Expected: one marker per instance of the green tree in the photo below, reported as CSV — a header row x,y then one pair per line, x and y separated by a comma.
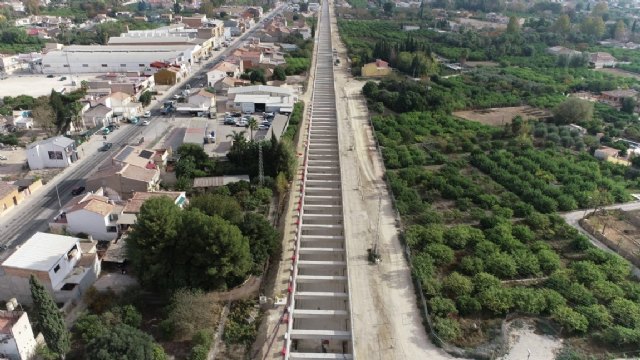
x,y
124,342
628,105
170,248
227,207
456,285
597,315
279,74
441,254
498,300
573,110
145,98
562,24
190,312
570,319
388,8
253,126
593,26
49,319
447,329
264,240
442,307
238,140
513,27
177,8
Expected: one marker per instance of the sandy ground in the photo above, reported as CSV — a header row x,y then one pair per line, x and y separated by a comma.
x,y
501,116
525,343
38,84
386,321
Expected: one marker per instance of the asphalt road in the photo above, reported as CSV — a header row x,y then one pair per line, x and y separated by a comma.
x,y
36,211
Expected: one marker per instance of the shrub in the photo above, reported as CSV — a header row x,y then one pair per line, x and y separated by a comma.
x,y
447,329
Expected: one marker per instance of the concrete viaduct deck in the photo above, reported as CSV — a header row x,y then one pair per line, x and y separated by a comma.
x,y
319,314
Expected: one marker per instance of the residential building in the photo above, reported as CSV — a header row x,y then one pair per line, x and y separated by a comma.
x,y
90,214
226,83
167,76
224,69
195,21
114,58
125,180
18,342
615,97
606,153
123,104
249,58
9,196
378,68
600,60
54,152
97,116
65,265
141,157
11,63
132,208
202,99
410,27
22,119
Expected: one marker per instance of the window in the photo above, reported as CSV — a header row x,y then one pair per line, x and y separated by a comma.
x,y
113,217
112,229
123,65
141,65
47,65
68,286
55,155
85,65
66,65
104,65
56,269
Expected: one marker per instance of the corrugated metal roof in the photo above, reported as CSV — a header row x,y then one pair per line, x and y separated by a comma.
x,y
41,252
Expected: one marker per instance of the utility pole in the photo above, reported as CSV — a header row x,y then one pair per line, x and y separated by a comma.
x,y
260,164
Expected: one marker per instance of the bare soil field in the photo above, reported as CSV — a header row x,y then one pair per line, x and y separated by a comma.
x,y
501,116
621,228
619,72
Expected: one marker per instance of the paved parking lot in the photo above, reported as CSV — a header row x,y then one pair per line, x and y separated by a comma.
x,y
38,84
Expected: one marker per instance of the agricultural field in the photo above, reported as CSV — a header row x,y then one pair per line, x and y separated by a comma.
x,y
502,116
479,215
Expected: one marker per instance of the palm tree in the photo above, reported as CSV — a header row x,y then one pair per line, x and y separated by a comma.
x,y
253,125
237,138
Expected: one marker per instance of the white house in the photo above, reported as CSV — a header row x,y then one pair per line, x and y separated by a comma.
x,y
222,70
18,342
91,214
55,152
99,115
65,265
122,104
203,99
22,119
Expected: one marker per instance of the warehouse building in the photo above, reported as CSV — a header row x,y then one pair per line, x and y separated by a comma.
x,y
261,98
114,58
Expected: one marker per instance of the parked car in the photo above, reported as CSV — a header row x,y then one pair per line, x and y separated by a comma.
x,y
268,114
147,114
247,112
212,136
77,191
63,78
134,120
50,76
106,131
2,157
106,146
229,121
242,123
263,127
145,123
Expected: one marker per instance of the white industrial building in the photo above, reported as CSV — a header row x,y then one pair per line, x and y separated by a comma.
x,y
114,58
260,98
